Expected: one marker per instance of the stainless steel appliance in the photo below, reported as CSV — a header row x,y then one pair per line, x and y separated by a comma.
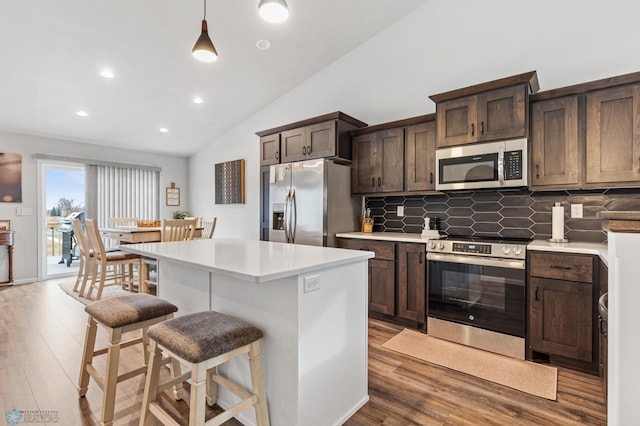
x,y
487,165
477,293
310,202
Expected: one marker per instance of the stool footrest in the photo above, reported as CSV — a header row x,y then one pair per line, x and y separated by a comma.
x,y
232,386
162,415
231,412
180,379
123,345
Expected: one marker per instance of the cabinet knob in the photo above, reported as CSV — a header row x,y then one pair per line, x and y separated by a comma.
x,y
482,127
304,150
277,155
537,171
309,149
431,177
473,129
379,181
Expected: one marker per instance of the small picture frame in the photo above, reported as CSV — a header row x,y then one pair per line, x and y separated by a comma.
x,y
5,225
173,195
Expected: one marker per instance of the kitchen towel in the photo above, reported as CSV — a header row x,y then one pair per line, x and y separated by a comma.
x,y
557,222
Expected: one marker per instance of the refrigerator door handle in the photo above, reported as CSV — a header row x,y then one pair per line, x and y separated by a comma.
x,y
294,220
286,216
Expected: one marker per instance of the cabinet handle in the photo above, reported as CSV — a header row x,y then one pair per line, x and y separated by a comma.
x,y
373,182
304,150
535,293
420,256
537,171
600,330
564,268
482,127
431,177
379,181
638,164
473,129
309,149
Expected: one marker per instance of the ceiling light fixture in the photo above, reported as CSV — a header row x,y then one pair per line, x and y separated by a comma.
x,y
273,10
107,74
163,130
263,44
82,113
204,50
197,100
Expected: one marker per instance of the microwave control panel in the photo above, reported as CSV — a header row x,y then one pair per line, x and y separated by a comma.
x,y
513,165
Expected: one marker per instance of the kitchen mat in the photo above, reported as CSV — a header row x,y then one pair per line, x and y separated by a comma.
x,y
535,379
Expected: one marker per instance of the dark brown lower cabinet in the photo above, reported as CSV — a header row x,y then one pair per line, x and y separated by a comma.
x,y
381,286
561,318
411,281
602,329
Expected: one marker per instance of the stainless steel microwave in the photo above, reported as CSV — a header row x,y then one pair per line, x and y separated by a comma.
x,y
498,165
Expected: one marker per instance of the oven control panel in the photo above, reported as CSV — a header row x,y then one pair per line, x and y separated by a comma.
x,y
472,248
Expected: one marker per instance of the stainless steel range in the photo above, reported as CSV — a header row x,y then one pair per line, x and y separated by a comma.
x,y
477,293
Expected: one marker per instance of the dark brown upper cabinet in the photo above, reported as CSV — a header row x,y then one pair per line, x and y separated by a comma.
x,y
419,157
325,136
485,112
555,150
396,157
613,135
378,161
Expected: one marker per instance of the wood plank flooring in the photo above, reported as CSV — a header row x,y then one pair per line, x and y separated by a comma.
x,y
42,331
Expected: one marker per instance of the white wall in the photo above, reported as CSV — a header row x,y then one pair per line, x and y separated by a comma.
x,y
174,169
443,45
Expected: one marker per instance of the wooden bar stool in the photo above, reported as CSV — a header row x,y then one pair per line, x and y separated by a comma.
x,y
202,342
119,315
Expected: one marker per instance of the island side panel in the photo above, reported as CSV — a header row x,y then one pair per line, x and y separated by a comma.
x,y
273,307
333,344
185,286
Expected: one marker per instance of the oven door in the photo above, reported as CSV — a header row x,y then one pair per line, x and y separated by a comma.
x,y
481,292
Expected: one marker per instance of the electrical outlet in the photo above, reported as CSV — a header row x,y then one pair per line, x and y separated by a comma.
x,y
576,210
311,283
400,211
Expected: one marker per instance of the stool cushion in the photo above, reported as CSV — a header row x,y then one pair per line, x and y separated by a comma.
x,y
119,311
202,336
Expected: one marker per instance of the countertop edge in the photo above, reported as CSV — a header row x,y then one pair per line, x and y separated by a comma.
x,y
385,236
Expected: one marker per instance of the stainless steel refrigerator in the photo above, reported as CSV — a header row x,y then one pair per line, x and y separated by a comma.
x,y
310,201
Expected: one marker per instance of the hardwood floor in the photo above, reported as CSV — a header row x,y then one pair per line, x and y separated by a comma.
x,y
42,331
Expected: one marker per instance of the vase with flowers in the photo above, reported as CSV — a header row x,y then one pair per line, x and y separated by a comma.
x,y
180,214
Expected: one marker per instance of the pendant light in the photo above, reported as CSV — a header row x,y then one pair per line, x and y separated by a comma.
x,y
204,50
273,10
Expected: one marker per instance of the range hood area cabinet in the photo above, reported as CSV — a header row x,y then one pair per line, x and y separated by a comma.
x,y
324,136
495,110
586,136
395,157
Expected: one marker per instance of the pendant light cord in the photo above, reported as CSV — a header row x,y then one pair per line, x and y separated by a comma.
x,y
205,10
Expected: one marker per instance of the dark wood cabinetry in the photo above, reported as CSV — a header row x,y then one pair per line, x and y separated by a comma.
x,y
556,154
325,136
561,305
411,281
397,280
613,135
378,162
485,112
419,157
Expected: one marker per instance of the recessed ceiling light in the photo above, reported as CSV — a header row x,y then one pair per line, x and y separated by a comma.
x,y
107,73
163,130
263,44
197,100
82,113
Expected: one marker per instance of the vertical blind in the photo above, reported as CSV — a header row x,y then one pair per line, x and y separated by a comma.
x,y
121,192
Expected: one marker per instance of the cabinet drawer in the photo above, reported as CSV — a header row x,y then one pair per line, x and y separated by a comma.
x,y
569,267
383,250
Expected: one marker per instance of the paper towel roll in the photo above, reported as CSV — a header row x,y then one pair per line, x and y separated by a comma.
x,y
557,222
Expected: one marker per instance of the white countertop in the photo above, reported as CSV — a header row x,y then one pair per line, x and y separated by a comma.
x,y
249,260
598,249
385,236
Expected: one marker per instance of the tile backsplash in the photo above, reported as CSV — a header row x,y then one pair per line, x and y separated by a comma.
x,y
509,214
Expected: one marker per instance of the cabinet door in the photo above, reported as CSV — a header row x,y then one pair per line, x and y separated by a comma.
x,y
366,164
270,149
613,135
554,142
456,121
390,150
419,157
292,142
502,113
411,282
560,316
382,286
321,140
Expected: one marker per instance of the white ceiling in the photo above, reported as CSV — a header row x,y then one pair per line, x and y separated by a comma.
x,y
53,52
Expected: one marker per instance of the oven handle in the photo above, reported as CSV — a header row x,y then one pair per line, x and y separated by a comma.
x,y
473,260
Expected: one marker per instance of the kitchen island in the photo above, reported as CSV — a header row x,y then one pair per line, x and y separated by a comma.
x,y
310,302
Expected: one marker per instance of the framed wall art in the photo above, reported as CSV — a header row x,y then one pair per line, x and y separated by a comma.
x,y
229,182
10,178
173,195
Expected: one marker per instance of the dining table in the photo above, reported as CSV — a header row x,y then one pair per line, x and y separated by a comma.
x,y
138,234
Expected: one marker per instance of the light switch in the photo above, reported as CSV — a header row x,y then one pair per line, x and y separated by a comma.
x,y
27,211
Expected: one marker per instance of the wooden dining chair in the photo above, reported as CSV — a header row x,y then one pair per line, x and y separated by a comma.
x,y
84,268
208,225
109,266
